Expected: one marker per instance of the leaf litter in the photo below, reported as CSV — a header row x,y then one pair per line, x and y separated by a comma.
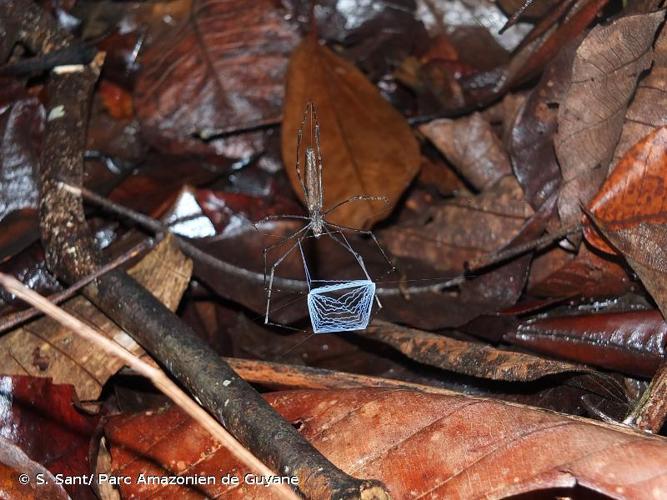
x,y
200,103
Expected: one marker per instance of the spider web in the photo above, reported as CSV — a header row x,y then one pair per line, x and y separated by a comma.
x,y
341,307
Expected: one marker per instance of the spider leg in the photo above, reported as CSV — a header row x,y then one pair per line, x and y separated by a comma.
x,y
369,233
361,197
282,242
273,271
348,247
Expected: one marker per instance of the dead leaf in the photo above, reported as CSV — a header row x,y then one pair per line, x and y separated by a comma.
x,y
221,70
472,147
34,408
630,342
21,125
13,463
419,445
646,111
469,358
604,76
367,146
531,137
631,211
587,273
43,348
464,229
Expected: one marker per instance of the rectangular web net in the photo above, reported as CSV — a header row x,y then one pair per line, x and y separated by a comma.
x,y
341,306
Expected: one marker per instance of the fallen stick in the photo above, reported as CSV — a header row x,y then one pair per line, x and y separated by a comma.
x,y
12,320
154,374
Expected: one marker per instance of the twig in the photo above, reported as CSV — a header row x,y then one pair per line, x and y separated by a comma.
x,y
12,320
515,251
75,54
155,375
193,252
516,15
650,412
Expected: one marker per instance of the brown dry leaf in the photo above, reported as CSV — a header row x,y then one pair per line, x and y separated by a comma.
x,y
631,212
558,273
647,110
604,75
367,146
469,358
531,136
464,229
221,70
43,348
13,463
420,445
472,147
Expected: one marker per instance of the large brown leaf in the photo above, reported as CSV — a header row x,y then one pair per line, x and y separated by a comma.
x,y
604,75
33,408
421,446
531,137
43,348
631,212
367,146
221,70
588,273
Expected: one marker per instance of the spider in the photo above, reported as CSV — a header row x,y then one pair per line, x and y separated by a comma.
x,y
317,224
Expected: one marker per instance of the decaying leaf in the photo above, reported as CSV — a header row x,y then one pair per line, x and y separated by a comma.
x,y
531,137
33,408
630,210
420,445
43,348
464,229
13,463
367,146
219,71
604,75
21,126
629,342
472,147
469,358
646,112
587,273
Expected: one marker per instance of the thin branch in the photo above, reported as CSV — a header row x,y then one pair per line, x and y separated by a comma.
x,y
154,374
12,320
650,412
293,285
516,251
